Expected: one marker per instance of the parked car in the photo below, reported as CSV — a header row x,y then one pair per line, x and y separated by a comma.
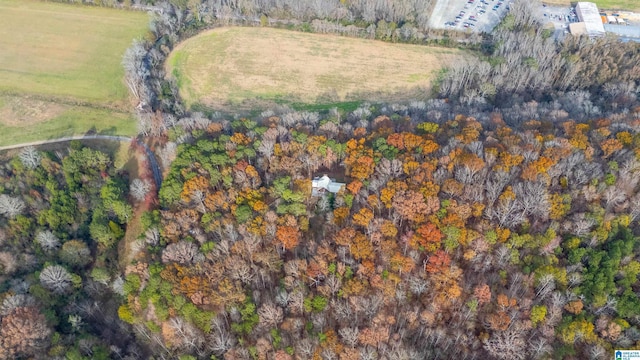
x,y
495,8
481,12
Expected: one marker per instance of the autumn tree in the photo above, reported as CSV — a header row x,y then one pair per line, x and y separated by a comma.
x,y
482,293
438,262
24,332
288,237
413,206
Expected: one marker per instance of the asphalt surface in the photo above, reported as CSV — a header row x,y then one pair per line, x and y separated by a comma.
x,y
477,16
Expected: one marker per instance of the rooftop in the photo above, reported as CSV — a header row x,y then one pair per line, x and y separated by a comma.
x,y
322,184
588,14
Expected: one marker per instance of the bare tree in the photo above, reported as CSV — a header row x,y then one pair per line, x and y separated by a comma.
x,y
546,285
349,335
182,252
30,157
507,344
11,206
270,315
220,340
139,189
539,348
8,263
47,240
136,71
305,348
12,302
56,279
183,335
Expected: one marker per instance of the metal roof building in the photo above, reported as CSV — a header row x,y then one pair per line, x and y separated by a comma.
x,y
588,13
321,184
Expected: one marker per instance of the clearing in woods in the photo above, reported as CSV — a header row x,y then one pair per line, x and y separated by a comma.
x,y
254,67
60,69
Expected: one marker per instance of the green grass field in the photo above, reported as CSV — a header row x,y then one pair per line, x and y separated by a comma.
x,y
58,121
69,59
629,5
255,67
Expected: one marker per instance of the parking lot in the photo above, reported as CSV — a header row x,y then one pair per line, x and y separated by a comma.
x,y
469,15
560,17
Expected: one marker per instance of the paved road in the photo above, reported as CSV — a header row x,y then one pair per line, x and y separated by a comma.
x,y
157,175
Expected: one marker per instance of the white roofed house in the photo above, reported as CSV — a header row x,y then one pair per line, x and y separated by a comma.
x,y
321,185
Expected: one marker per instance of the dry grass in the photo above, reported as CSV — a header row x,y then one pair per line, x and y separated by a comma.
x,y
239,66
566,3
16,111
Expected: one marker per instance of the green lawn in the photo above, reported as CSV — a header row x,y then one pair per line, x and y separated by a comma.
x,y
630,5
74,121
69,55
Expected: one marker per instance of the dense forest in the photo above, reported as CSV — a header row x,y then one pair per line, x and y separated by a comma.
x,y
451,239
62,214
497,219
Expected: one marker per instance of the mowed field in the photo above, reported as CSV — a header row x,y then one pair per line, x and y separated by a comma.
x,y
249,67
629,5
60,69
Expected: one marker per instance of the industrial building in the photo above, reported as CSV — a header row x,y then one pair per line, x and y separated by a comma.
x,y
588,14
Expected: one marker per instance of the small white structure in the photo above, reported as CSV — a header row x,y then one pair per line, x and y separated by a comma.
x,y
588,14
320,185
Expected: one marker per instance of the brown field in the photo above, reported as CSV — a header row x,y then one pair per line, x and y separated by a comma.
x,y
245,66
